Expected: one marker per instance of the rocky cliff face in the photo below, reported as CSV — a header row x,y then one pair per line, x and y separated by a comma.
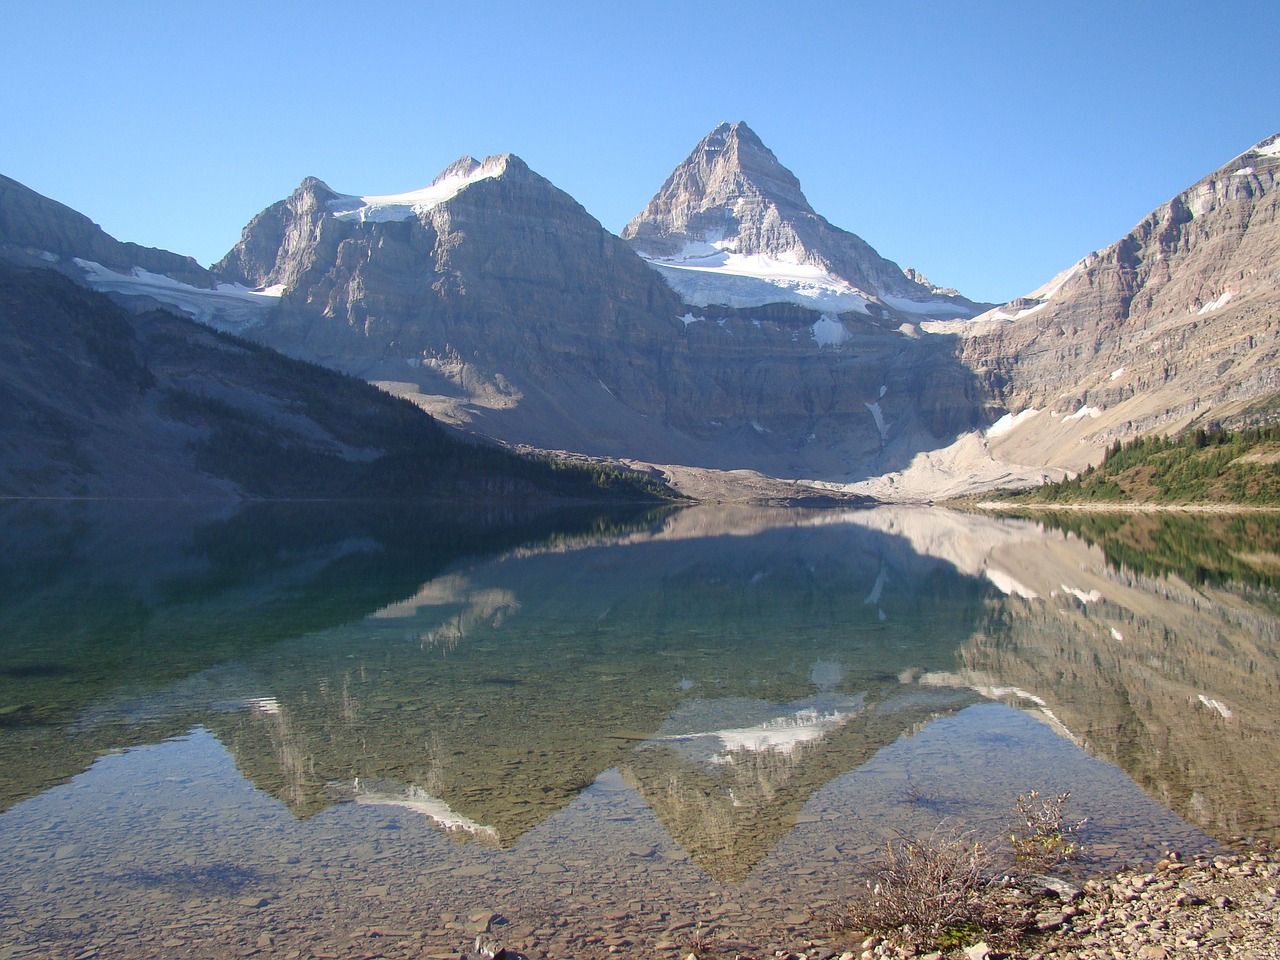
x,y
754,336
731,210
1175,323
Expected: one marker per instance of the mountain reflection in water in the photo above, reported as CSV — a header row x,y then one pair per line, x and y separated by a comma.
x,y
728,663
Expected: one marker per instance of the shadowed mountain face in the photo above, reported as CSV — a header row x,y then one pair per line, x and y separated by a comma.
x,y
98,401
32,225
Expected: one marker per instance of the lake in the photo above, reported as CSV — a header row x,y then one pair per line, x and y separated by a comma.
x,y
310,730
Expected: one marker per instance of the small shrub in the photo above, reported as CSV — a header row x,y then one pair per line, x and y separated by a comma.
x,y
1042,836
928,893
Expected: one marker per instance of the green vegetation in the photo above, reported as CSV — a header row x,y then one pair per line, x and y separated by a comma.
x,y
1220,549
1212,465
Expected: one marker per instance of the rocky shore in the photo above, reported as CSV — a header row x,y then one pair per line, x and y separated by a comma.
x,y
1206,906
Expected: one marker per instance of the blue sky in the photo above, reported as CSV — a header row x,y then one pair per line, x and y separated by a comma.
x,y
989,145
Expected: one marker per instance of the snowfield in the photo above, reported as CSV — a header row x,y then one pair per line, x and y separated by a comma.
x,y
229,306
401,206
705,275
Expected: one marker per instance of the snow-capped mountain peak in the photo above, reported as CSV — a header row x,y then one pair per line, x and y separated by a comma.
x,y
731,226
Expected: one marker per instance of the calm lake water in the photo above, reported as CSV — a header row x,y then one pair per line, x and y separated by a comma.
x,y
310,731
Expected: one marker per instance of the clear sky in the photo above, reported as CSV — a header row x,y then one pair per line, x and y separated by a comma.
x,y
989,145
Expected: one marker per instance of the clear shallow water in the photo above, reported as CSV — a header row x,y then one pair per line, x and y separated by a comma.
x,y
345,732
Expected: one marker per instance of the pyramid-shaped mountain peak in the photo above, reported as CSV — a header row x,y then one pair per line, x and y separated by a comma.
x,y
732,210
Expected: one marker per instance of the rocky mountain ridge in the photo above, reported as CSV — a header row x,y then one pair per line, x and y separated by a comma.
x,y
496,302
37,229
752,335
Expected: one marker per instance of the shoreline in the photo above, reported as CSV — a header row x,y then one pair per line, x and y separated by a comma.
x,y
1006,506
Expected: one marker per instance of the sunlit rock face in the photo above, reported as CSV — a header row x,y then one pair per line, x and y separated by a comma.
x,y
1172,323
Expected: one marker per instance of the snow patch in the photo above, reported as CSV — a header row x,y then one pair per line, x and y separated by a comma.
x,y
1216,304
1117,635
710,272
999,692
1269,147
1091,412
434,809
878,415
1218,705
402,206
877,590
1243,171
1093,596
1009,422
829,332
781,735
938,309
1009,586
689,318
1041,296
1115,374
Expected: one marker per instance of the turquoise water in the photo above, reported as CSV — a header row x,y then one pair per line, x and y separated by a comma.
x,y
362,731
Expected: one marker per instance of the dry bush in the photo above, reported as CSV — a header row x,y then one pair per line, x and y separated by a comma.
x,y
924,892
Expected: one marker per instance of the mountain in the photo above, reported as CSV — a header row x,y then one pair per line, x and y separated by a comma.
x,y
1172,325
38,231
751,337
731,226
99,401
495,301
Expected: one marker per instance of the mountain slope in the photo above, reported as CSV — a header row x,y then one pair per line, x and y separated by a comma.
x,y
1174,324
97,401
49,231
732,226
